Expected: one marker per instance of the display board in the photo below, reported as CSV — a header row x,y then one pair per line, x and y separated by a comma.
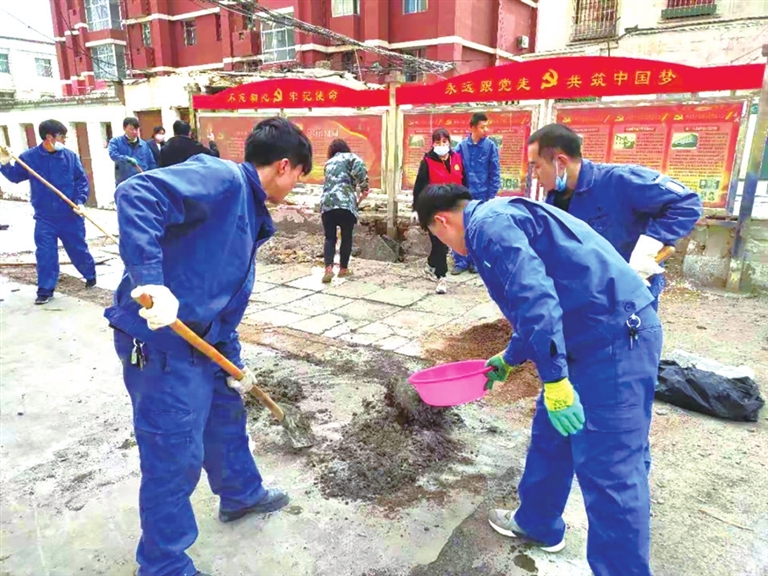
x,y
362,133
694,144
510,131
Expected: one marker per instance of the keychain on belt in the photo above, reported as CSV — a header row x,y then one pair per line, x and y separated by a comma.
x,y
138,357
633,323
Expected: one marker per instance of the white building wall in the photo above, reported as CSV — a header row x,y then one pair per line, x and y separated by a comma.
x,y
164,93
733,35
23,78
94,115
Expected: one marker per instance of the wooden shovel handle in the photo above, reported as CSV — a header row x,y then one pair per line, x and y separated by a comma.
x,y
664,253
204,348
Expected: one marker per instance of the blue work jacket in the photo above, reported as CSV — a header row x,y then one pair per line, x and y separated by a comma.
x,y
120,150
481,164
560,284
623,201
195,228
63,169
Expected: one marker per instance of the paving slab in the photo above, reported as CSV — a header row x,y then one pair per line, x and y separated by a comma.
x,y
345,328
482,313
274,317
259,287
397,296
318,324
353,289
369,334
413,348
314,281
317,303
256,308
280,295
364,310
412,322
392,342
448,304
285,274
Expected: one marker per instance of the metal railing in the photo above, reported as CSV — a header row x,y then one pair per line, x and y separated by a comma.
x,y
689,8
594,19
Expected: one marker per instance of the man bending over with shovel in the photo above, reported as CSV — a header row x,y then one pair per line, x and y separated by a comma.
x,y
188,237
586,319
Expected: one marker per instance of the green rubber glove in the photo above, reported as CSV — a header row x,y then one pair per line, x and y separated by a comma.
x,y
132,161
563,407
500,371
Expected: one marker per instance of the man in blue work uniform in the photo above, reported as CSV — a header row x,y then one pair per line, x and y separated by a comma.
x,y
638,210
481,164
188,236
585,319
54,219
131,154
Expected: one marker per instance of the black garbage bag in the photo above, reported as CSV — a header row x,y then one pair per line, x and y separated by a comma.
x,y
709,393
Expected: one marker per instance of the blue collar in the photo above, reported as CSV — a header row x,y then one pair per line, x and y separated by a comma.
x,y
586,176
253,181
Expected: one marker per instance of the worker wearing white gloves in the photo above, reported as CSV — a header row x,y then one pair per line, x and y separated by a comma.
x,y
638,210
192,249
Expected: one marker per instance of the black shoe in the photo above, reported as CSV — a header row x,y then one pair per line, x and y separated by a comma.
x,y
272,501
456,271
472,270
202,574
40,300
90,283
4,226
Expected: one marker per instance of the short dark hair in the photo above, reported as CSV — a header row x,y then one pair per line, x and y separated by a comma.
x,y
439,134
52,127
439,198
276,138
336,147
157,129
131,121
478,117
181,128
553,137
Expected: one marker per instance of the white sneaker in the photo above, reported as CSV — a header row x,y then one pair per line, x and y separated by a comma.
x,y
442,286
503,521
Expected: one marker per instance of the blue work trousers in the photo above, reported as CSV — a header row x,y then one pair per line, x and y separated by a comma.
x,y
616,384
185,418
462,262
71,230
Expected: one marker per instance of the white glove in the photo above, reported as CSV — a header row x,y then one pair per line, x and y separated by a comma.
x,y
5,155
79,210
242,386
164,309
643,258
414,217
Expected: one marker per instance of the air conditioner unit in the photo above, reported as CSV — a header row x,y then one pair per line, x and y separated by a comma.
x,y
523,42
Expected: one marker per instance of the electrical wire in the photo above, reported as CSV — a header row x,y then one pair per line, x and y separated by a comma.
x,y
404,61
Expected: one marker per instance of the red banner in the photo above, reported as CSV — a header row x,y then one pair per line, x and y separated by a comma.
x,y
290,93
362,133
694,144
581,77
510,131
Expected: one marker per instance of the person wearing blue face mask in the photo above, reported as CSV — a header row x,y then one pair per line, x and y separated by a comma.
x,y
638,210
54,219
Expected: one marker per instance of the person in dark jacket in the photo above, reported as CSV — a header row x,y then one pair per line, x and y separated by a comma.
x,y
157,142
440,165
181,147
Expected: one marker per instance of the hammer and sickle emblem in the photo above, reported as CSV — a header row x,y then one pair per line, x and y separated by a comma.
x,y
549,79
679,117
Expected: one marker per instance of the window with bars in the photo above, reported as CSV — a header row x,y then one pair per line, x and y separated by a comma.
x,y
689,8
146,35
414,6
278,43
103,14
43,67
594,19
190,32
5,64
108,62
345,7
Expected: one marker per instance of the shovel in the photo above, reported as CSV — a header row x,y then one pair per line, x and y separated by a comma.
x,y
294,422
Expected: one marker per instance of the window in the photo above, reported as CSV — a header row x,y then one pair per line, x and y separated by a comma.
x,y
413,6
190,32
108,61
103,14
218,27
345,7
106,133
5,65
5,140
411,71
688,8
146,35
43,67
277,42
594,19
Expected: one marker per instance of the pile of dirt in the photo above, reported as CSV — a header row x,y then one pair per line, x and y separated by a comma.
x,y
384,449
485,341
292,248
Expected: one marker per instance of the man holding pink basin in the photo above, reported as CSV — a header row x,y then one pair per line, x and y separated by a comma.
x,y
586,319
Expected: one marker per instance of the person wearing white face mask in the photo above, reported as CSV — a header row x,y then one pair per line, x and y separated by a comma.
x,y
157,142
54,219
440,165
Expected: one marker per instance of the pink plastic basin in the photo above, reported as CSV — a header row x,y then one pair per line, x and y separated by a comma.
x,y
451,384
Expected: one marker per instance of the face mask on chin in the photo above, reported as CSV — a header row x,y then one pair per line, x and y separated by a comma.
x,y
560,181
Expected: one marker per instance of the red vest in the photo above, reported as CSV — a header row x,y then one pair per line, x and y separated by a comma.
x,y
439,175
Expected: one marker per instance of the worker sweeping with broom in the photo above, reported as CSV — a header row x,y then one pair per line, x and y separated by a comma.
x,y
587,321
54,219
188,237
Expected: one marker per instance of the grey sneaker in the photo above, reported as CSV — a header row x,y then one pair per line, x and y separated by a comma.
x,y
456,270
272,501
503,521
